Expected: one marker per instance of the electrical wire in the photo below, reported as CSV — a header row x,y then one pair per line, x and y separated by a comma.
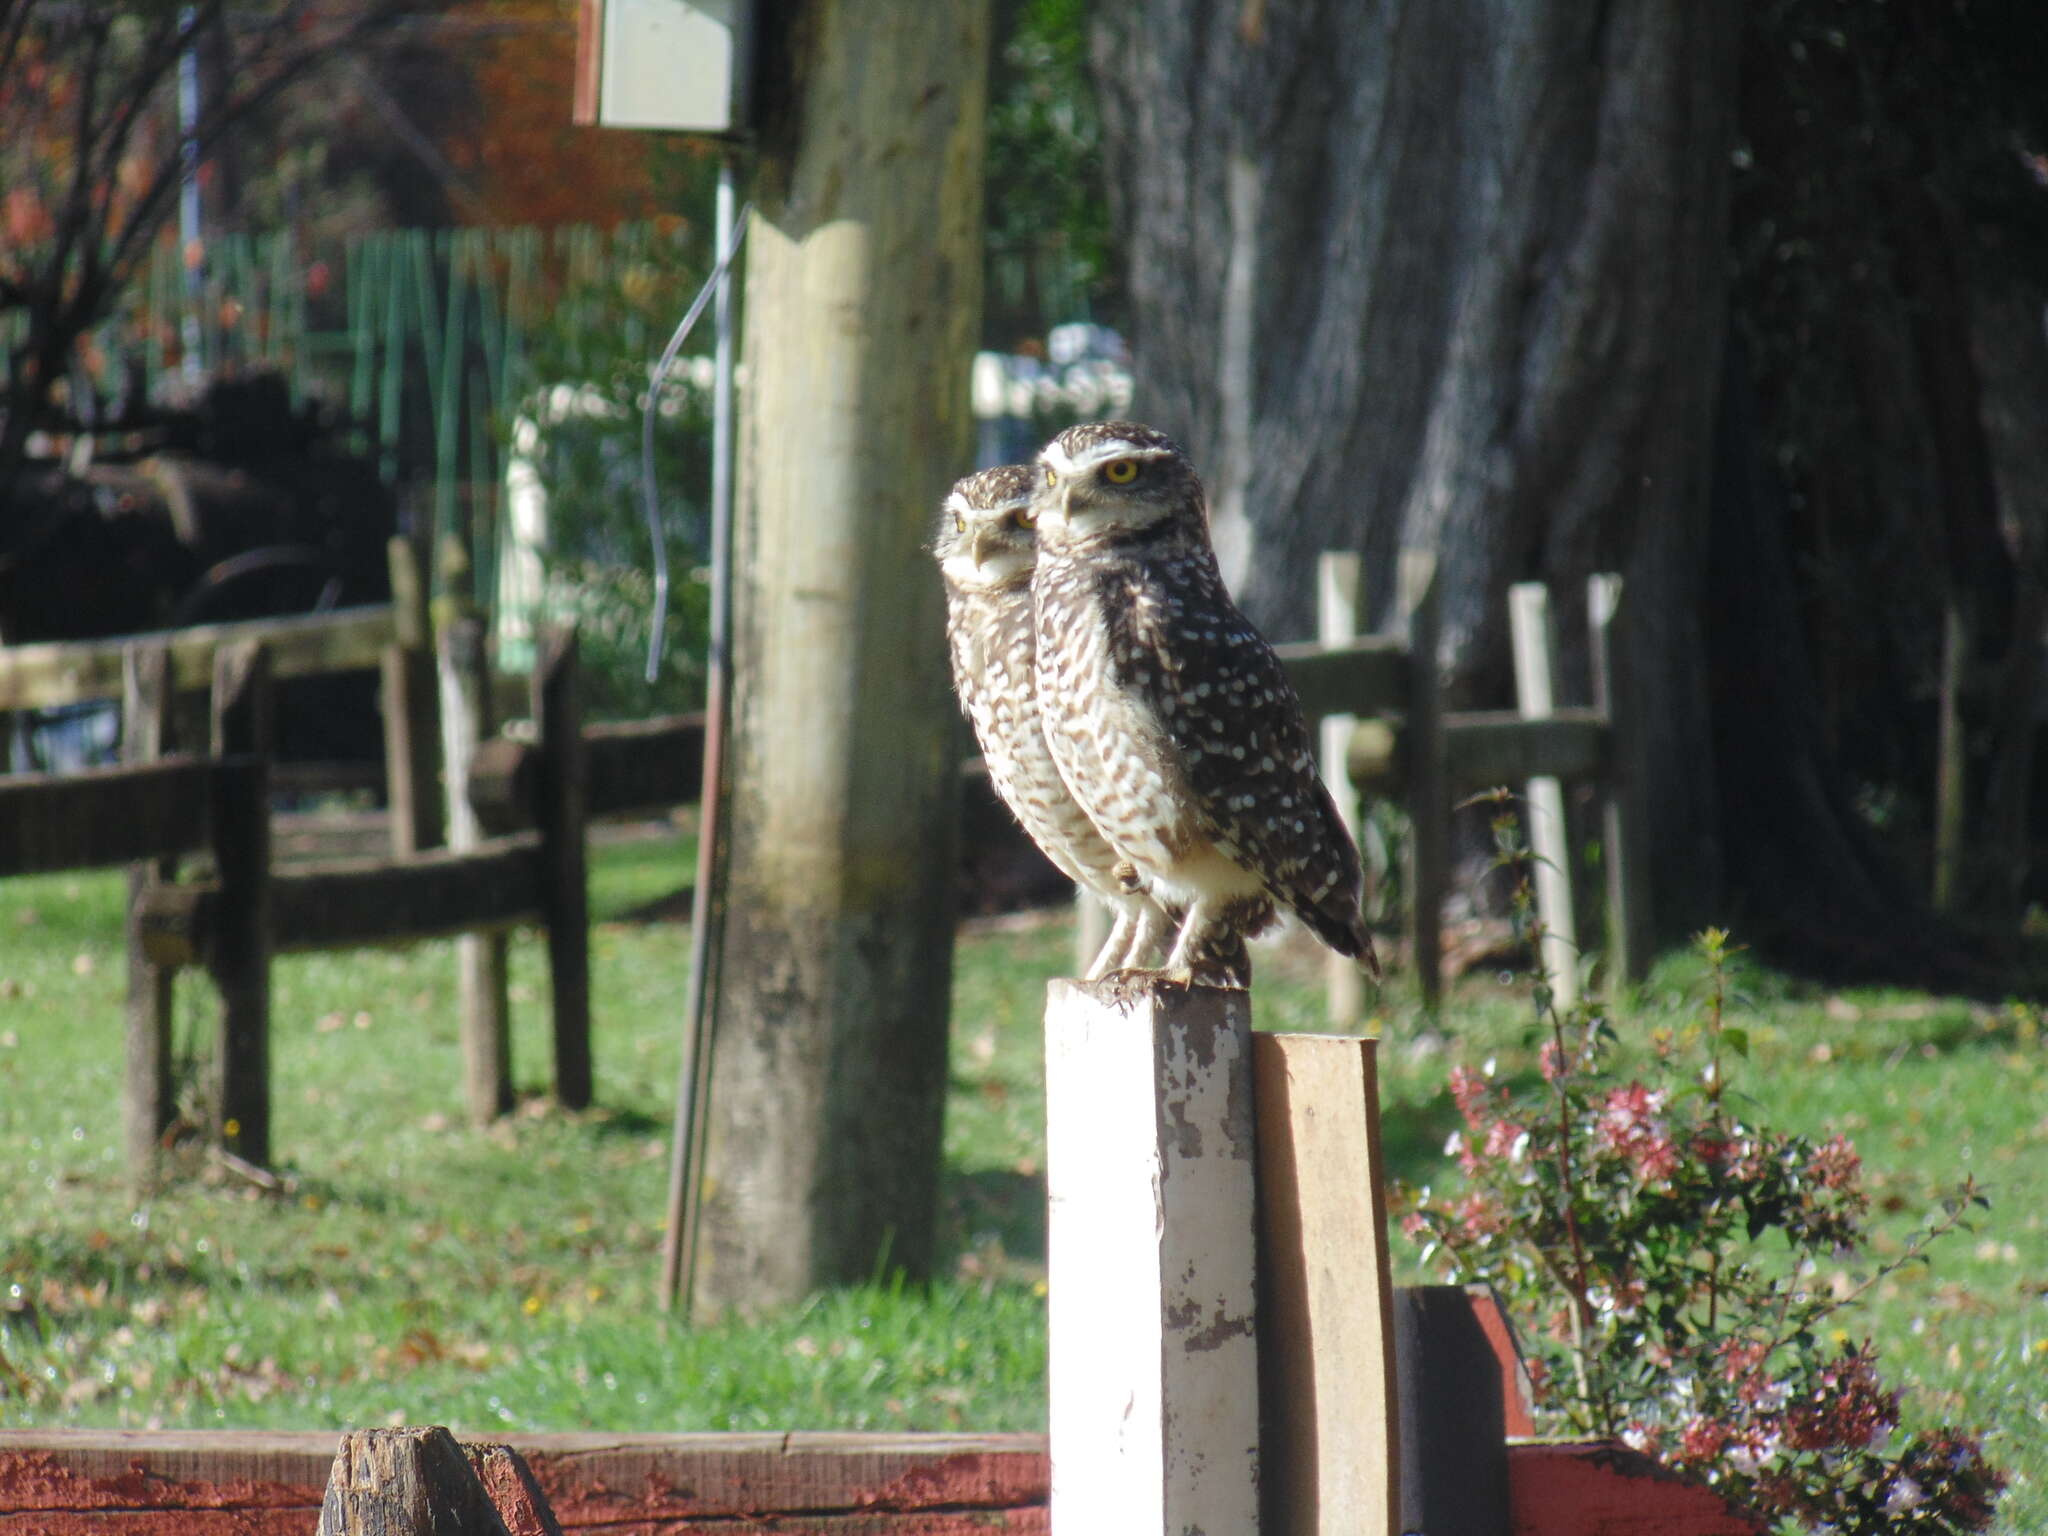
x,y
649,498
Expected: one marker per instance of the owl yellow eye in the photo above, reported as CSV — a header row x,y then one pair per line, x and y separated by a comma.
x,y
959,523
1023,517
1120,471
1051,478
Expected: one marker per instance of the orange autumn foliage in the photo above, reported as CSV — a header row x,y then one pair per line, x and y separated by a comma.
x,y
530,164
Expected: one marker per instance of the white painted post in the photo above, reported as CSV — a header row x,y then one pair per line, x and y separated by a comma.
x,y
1337,578
1535,647
1149,1165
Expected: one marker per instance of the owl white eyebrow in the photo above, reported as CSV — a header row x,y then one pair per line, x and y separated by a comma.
x,y
960,506
1061,462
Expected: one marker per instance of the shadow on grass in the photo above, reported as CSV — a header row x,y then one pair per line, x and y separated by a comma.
x,y
997,1203
1412,1138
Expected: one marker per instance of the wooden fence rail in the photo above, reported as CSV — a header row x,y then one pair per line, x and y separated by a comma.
x,y
149,814
43,676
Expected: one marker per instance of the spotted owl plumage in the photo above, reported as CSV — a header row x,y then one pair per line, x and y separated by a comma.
x,y
986,552
1169,717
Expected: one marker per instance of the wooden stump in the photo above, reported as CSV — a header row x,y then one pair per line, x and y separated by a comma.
x,y
1149,1161
419,1482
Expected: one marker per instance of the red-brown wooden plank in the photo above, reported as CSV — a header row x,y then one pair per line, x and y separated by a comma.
x,y
1592,1488
177,1483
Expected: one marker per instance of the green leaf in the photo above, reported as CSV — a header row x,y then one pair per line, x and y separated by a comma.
x,y
1737,1040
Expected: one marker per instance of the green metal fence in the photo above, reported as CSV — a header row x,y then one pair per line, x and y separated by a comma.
x,y
427,342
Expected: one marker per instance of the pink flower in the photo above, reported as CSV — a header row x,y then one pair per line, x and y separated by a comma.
x,y
1550,1061
1477,1219
1505,1139
1656,1159
1836,1164
1469,1093
1703,1439
1848,1409
1742,1357
1629,1124
1628,1113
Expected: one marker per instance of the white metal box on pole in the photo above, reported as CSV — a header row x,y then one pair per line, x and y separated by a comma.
x,y
683,65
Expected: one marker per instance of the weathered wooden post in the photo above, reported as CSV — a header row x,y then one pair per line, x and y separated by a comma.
x,y
146,1099
562,810
1535,648
1624,829
1429,793
479,957
1337,581
833,966
1150,1259
408,708
239,955
420,1482
1331,1458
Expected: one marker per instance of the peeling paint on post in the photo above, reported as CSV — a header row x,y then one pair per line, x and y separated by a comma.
x,y
1149,1167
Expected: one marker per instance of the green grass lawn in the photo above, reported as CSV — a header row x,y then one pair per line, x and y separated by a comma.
x,y
416,1270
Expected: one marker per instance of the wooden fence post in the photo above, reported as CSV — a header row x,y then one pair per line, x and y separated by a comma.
x,y
1429,793
1624,828
244,722
562,813
244,703
1330,1461
239,956
410,734
479,957
147,1102
1454,1460
1337,580
1149,1166
1535,648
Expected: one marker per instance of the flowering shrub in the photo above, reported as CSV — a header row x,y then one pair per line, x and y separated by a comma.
x,y
1630,1222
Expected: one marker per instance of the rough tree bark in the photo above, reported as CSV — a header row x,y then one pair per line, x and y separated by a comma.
x,y
1447,274
833,966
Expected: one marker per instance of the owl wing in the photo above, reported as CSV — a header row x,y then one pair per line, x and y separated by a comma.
x,y
1236,727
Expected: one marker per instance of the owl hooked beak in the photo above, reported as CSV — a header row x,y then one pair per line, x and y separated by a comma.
x,y
1050,504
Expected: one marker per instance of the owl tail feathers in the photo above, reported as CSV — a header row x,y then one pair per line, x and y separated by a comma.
x,y
1342,926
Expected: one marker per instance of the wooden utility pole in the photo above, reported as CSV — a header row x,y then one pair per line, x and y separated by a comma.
x,y
863,296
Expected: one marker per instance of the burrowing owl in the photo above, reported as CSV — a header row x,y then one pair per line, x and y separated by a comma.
x,y
1169,717
986,552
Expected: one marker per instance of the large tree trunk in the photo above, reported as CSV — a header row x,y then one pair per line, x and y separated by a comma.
x,y
863,303
1446,274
